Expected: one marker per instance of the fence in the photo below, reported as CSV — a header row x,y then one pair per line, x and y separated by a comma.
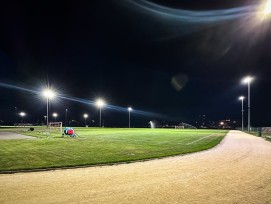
x,y
260,131
23,124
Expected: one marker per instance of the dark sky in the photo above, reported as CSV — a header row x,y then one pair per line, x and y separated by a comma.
x,y
114,50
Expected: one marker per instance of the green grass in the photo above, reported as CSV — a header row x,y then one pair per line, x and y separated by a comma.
x,y
96,146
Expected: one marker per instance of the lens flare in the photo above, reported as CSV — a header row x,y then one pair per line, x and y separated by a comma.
x,y
85,101
267,8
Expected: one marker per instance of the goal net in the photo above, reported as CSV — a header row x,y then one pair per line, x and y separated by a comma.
x,y
55,127
185,126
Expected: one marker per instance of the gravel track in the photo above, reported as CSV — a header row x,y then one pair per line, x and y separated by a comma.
x,y
236,171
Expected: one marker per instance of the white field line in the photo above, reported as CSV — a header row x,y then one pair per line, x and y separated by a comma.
x,y
200,139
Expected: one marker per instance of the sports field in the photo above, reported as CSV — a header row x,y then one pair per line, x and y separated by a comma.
x,y
95,146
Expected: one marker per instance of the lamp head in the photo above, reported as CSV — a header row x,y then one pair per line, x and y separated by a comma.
x,y
267,8
22,114
100,103
247,80
49,94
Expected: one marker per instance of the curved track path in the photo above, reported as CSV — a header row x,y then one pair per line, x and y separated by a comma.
x,y
236,171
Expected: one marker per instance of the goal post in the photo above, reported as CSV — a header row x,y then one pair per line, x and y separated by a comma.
x,y
55,127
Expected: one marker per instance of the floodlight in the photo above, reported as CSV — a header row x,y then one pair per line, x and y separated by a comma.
x,y
267,8
22,114
264,11
100,103
85,116
129,110
241,98
48,94
247,80
55,115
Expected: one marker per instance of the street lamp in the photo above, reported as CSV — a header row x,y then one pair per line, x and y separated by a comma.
x,y
55,115
22,114
129,111
85,116
247,80
48,94
100,104
241,98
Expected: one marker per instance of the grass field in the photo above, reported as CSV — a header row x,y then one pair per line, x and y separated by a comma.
x,y
96,146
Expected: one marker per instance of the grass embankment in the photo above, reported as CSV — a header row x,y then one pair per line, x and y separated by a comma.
x,y
101,146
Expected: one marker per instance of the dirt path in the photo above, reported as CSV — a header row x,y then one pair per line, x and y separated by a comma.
x,y
237,171
13,136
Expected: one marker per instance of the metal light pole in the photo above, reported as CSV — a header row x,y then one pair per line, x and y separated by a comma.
x,y
85,116
242,99
66,117
45,118
129,111
22,114
55,115
100,103
48,94
47,113
100,116
247,81
248,106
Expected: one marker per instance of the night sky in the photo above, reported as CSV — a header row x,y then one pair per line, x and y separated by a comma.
x,y
131,56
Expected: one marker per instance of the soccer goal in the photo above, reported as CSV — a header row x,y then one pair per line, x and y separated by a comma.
x,y
185,126
55,127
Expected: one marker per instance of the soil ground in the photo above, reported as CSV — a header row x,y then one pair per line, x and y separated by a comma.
x,y
236,171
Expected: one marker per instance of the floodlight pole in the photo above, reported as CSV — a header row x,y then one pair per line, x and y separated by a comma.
x,y
100,103
129,119
47,118
66,117
85,117
242,99
129,112
100,116
242,114
248,125
22,115
248,80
